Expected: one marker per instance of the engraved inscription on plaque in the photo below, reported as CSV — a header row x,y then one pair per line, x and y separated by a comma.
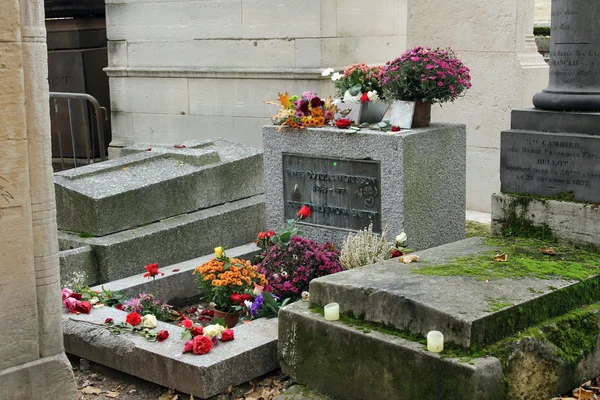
x,y
548,164
342,193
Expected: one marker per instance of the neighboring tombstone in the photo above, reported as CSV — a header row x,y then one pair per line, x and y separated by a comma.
x,y
33,364
554,151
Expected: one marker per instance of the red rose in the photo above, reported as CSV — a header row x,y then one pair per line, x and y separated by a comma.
x,y
152,271
208,312
83,307
364,98
395,128
270,233
262,235
119,306
133,318
396,253
161,336
76,296
343,123
227,335
304,212
188,324
188,346
201,345
237,298
197,330
108,320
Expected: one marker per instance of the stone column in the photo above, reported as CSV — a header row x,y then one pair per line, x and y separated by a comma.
x,y
33,364
574,58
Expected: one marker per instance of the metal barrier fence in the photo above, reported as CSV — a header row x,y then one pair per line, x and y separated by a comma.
x,y
77,129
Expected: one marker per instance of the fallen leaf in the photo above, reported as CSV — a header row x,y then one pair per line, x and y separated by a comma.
x,y
91,390
583,394
548,250
500,257
124,168
176,270
85,383
112,395
409,258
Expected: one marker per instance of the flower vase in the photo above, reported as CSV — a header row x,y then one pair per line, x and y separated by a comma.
x,y
373,111
231,319
402,113
422,115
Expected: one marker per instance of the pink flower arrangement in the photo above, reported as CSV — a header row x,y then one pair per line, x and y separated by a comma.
x,y
425,74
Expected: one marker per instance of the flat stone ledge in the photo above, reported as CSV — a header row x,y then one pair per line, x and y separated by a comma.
x,y
253,353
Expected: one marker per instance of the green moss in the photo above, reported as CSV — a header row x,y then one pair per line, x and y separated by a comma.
x,y
85,235
475,229
498,304
516,224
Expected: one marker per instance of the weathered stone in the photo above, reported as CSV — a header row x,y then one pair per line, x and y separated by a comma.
x,y
299,392
175,239
323,354
147,186
391,293
78,265
572,222
421,181
251,354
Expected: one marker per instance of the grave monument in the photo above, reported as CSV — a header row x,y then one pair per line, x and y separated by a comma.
x,y
33,364
554,150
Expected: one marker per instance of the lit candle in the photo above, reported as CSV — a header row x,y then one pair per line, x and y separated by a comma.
x,y
435,341
332,312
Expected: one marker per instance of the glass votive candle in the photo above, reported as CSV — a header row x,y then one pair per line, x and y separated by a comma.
x,y
332,312
435,341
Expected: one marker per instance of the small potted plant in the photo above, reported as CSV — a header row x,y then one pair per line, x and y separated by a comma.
x,y
422,76
228,283
358,89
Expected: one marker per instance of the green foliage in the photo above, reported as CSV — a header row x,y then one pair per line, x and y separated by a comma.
x,y
107,297
541,31
475,229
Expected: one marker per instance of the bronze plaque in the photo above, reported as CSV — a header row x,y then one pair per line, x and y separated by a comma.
x,y
342,193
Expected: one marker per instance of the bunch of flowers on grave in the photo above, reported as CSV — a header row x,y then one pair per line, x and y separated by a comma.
x,y
264,305
359,83
425,74
399,248
307,110
201,340
228,282
146,304
136,323
82,299
365,247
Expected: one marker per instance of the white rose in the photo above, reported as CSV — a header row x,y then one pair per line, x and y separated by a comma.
x,y
401,238
336,76
372,95
305,296
327,72
213,330
94,300
149,321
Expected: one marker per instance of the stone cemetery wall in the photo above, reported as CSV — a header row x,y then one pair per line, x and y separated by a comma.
x,y
33,364
542,12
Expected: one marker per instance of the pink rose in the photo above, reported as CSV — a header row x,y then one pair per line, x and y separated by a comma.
x,y
66,293
188,346
70,303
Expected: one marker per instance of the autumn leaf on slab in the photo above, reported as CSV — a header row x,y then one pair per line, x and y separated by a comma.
x,y
91,390
111,394
582,394
409,258
548,250
500,257
329,105
284,99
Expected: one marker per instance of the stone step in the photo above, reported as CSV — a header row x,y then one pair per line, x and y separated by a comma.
x,y
149,185
467,310
173,240
355,362
251,354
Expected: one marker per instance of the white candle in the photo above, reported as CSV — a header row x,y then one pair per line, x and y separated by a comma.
x,y
332,312
435,341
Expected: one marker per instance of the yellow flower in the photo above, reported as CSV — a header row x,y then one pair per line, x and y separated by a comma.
x,y
219,251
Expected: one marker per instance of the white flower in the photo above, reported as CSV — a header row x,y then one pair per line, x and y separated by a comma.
x,y
305,296
94,300
336,76
327,72
401,238
211,331
373,96
348,98
248,303
284,274
149,321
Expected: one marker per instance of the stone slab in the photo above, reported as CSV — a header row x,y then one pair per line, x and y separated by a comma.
x,y
549,164
422,180
146,186
323,354
568,221
175,239
391,294
77,265
251,354
533,119
177,284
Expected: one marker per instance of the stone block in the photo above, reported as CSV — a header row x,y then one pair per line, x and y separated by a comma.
x,y
122,128
175,239
412,181
159,96
174,20
356,18
328,18
392,294
308,54
78,266
400,17
161,183
10,21
483,177
322,354
271,19
571,222
117,53
247,54
343,51
251,354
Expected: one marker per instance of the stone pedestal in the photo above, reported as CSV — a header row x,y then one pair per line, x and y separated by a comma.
x,y
412,181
